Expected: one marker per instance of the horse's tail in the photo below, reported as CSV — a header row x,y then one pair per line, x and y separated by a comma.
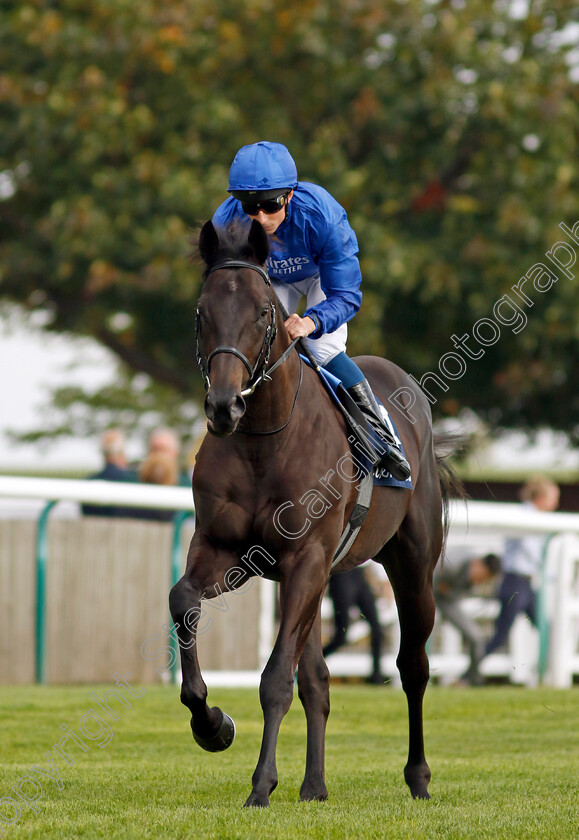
x,y
447,444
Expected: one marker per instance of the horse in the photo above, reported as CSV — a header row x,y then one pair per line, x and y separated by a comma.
x,y
274,484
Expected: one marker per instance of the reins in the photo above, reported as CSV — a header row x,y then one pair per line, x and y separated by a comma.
x,y
291,414
259,372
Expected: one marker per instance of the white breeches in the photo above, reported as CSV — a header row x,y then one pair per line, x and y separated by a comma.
x,y
323,349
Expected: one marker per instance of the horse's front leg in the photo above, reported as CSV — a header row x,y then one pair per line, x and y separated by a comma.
x,y
301,593
314,692
212,729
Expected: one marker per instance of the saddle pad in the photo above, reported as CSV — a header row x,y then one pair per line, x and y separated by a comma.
x,y
382,478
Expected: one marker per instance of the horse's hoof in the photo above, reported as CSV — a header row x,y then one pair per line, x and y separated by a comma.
x,y
320,796
255,801
314,792
417,779
222,739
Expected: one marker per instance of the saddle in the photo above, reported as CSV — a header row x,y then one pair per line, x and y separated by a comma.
x,y
363,440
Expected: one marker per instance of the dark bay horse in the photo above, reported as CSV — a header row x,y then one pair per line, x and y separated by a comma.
x,y
274,484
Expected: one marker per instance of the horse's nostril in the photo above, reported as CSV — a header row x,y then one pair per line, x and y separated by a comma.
x,y
238,407
209,407
223,410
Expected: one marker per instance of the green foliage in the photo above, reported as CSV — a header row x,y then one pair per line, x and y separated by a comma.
x,y
448,130
136,404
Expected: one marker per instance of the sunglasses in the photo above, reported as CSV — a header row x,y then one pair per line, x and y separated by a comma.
x,y
268,205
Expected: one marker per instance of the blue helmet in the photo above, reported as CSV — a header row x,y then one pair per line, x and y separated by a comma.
x,y
261,168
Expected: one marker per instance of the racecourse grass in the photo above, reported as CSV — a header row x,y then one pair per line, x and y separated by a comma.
x,y
504,762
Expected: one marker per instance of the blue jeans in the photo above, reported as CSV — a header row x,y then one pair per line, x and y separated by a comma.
x,y
516,596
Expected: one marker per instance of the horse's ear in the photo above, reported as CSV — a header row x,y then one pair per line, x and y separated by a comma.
x,y
208,243
258,241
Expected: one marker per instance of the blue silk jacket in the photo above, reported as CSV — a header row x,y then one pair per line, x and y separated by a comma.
x,y
315,237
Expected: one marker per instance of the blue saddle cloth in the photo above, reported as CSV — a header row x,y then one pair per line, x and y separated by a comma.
x,y
382,478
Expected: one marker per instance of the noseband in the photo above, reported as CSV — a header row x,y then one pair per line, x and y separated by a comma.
x,y
257,372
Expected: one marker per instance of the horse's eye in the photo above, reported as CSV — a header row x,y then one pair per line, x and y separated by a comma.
x,y
264,312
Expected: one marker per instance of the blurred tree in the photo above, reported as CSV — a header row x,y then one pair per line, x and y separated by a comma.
x,y
447,129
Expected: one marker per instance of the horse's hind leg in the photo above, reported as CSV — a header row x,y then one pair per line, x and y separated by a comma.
x,y
314,692
409,560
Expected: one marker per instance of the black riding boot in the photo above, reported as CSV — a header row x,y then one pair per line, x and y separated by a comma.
x,y
393,460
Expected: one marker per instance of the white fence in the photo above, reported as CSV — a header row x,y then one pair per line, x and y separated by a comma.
x,y
550,655
83,598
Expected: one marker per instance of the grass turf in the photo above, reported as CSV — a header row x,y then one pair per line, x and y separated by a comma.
x,y
504,764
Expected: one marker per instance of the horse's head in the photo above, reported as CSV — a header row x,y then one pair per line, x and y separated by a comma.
x,y
235,320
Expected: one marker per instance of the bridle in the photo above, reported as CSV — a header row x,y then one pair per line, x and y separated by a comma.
x,y
258,372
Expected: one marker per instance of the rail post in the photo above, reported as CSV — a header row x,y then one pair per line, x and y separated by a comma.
x,y
178,522
41,568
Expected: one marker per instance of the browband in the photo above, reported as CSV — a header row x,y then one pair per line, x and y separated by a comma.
x,y
240,264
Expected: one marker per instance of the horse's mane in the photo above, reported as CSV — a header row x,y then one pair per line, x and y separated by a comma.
x,y
233,242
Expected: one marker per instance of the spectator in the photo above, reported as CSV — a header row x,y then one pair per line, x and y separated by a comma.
x,y
164,440
452,583
157,468
522,562
347,590
116,469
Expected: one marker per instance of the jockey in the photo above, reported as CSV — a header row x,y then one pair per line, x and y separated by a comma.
x,y
313,252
